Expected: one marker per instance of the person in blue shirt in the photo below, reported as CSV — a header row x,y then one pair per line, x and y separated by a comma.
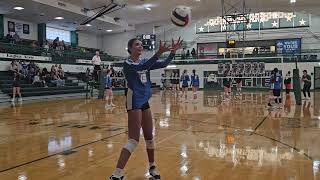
x,y
108,89
277,79
195,84
185,85
137,75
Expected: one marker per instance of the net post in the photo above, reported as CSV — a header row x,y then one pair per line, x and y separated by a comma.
x,y
297,86
102,84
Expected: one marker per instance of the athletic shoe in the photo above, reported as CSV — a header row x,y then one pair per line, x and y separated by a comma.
x,y
153,173
113,105
113,177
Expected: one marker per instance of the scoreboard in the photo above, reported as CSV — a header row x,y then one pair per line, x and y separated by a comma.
x,y
148,41
231,43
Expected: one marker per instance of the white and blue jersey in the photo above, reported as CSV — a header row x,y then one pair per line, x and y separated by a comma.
x,y
195,81
138,79
108,81
271,82
277,81
185,79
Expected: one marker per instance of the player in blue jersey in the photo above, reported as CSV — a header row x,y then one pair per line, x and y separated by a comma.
x,y
137,74
195,84
277,78
108,89
184,85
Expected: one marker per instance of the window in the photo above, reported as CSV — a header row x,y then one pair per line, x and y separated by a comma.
x,y
53,33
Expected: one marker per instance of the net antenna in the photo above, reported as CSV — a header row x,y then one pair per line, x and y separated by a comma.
x,y
235,18
102,10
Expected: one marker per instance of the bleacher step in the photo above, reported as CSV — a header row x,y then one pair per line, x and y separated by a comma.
x,y
4,98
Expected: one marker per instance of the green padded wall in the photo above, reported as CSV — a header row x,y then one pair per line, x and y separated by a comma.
x,y
74,39
42,33
1,27
297,86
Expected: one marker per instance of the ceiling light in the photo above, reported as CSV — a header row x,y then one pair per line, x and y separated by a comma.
x,y
292,1
198,0
59,18
148,8
109,30
88,25
18,8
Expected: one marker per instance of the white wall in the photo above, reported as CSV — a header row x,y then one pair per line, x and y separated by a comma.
x,y
100,42
115,44
88,40
33,35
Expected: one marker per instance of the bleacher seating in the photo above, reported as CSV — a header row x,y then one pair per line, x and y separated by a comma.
x,y
66,57
30,90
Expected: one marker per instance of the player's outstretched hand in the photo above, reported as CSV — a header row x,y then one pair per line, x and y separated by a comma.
x,y
163,48
176,46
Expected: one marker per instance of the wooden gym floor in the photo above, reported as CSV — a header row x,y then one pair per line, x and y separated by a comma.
x,y
81,140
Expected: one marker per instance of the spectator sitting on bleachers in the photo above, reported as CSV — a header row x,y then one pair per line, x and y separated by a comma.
x,y
31,74
37,81
63,45
53,70
60,48
57,80
46,46
9,38
55,43
35,45
45,75
60,72
24,68
88,76
56,68
34,66
16,38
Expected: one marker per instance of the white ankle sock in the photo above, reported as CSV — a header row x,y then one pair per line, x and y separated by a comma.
x,y
151,164
118,172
